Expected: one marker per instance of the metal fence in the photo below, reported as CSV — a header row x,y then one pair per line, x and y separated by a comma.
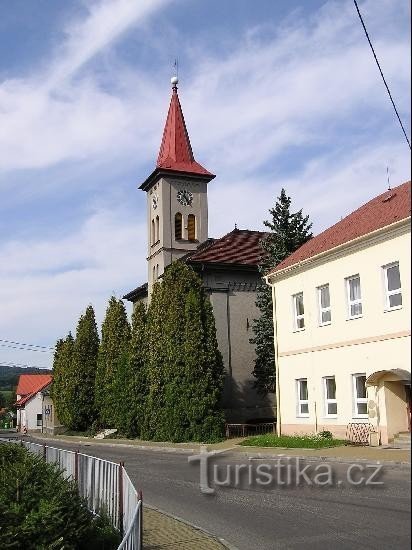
x,y
105,486
243,430
359,433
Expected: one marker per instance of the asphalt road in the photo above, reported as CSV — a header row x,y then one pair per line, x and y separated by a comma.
x,y
341,516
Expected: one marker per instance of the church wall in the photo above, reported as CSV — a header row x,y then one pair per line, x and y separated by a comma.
x,y
233,295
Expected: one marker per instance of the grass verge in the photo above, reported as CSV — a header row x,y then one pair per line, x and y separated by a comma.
x,y
292,441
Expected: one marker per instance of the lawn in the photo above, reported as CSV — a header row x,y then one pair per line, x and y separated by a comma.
x,y
293,441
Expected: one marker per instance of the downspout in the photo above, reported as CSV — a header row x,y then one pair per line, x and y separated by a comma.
x,y
275,343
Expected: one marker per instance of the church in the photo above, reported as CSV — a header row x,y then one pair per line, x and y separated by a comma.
x,y
177,228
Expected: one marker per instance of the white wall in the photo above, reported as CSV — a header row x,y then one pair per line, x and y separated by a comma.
x,y
379,340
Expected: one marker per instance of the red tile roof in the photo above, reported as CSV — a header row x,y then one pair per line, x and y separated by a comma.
x,y
239,247
389,207
30,384
175,151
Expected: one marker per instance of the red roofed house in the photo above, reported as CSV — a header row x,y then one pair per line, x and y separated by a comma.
x,y
342,325
34,405
177,225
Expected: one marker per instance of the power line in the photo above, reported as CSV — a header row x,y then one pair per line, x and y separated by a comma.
x,y
380,70
26,348
26,345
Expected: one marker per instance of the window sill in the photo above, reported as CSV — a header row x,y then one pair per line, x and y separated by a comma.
x,y
354,317
299,329
328,416
302,416
360,417
389,309
325,324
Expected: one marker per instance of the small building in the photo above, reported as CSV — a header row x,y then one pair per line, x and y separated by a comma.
x,y
35,410
342,325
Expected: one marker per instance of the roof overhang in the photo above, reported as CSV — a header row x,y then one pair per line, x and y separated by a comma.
x,y
220,266
277,274
164,172
391,375
139,292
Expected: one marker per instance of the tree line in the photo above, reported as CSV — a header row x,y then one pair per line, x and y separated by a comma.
x,y
161,377
158,378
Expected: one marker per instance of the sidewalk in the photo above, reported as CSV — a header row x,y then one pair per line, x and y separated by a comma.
x,y
163,532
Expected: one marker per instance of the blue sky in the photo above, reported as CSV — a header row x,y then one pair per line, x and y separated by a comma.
x,y
275,94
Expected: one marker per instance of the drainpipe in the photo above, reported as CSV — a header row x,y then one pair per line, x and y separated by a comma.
x,y
275,342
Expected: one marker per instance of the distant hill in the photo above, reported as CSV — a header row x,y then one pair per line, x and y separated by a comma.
x,y
9,376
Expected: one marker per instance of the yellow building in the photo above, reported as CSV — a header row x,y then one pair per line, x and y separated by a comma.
x,y
342,325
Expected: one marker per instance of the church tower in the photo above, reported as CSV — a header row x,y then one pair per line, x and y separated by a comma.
x,y
177,214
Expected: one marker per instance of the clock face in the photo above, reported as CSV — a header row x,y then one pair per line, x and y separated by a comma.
x,y
185,197
155,201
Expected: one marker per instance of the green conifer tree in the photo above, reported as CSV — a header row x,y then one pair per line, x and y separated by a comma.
x,y
62,387
111,374
84,365
136,380
288,231
185,366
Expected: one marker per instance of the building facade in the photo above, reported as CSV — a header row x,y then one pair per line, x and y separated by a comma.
x,y
177,228
35,409
342,324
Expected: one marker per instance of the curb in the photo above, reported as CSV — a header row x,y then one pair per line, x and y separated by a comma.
x,y
223,542
91,443
341,460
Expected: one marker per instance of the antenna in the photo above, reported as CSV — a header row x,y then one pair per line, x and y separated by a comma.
x,y
388,178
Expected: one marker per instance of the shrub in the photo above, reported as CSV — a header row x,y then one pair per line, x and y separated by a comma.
x,y
40,510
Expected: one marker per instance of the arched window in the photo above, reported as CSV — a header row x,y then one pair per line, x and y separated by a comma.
x,y
153,232
191,227
157,229
178,226
154,274
157,271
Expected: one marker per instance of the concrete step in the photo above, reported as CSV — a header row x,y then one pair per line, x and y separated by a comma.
x,y
404,436
402,440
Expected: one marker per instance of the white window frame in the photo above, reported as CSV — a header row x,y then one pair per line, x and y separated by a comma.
x,y
323,309
353,302
388,292
328,400
299,401
297,317
359,400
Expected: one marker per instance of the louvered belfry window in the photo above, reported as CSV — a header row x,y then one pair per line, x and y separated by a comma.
x,y
191,227
178,226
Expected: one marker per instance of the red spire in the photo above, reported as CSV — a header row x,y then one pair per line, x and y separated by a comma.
x,y
175,151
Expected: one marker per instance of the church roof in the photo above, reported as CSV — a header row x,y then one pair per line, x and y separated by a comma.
x,y
175,154
385,209
239,247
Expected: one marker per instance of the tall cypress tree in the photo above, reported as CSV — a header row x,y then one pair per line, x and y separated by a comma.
x,y
111,374
288,231
84,365
155,359
136,380
62,388
185,366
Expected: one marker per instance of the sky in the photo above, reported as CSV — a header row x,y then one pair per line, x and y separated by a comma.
x,y
275,94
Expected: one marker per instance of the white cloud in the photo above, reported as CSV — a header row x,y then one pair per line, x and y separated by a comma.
x,y
47,118
306,84
45,285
